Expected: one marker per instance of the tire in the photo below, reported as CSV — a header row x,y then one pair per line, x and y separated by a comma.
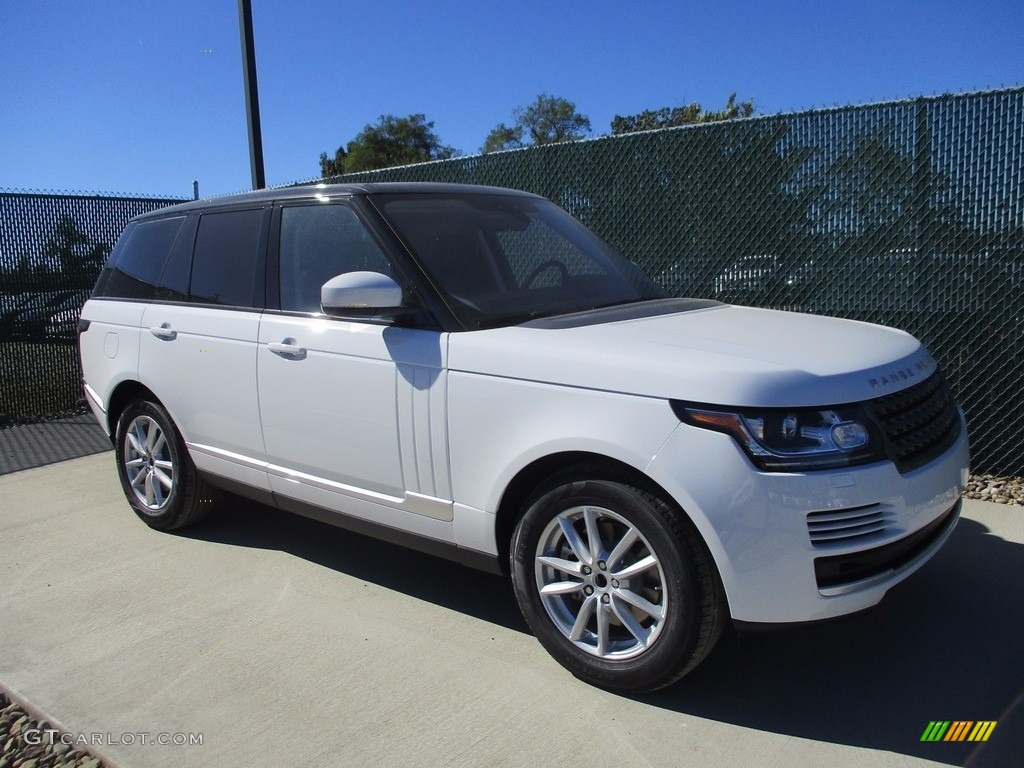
x,y
634,613
157,474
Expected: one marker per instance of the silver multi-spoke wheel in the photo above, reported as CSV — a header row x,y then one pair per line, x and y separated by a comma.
x,y
615,581
148,463
601,583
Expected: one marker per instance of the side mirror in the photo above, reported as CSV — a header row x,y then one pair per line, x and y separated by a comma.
x,y
362,294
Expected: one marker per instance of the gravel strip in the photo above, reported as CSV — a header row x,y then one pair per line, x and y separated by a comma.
x,y
25,743
1001,490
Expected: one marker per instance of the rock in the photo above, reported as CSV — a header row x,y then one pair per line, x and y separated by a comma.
x,y
1002,490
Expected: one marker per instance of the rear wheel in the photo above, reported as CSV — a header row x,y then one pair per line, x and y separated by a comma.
x,y
157,474
616,584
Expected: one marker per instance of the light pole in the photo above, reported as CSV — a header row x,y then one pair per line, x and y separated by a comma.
x,y
252,98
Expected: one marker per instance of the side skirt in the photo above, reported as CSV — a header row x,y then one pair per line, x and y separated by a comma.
x,y
468,557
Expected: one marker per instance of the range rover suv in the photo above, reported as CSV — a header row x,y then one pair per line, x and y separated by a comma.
x,y
470,372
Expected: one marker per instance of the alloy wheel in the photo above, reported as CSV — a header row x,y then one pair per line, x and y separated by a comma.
x,y
601,582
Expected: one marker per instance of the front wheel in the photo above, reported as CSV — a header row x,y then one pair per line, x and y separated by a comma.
x,y
616,584
157,474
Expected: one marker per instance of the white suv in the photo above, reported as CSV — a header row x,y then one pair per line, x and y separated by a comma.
x,y
470,372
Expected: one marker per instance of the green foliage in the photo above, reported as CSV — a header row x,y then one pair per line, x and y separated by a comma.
x,y
690,114
390,142
503,137
332,166
548,120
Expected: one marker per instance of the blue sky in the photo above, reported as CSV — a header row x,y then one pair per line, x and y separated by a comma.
x,y
145,96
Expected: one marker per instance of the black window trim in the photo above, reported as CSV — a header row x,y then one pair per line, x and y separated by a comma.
x,y
183,248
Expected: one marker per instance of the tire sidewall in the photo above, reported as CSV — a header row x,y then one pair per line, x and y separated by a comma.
x,y
673,647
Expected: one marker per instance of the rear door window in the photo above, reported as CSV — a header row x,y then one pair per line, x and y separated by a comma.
x,y
226,257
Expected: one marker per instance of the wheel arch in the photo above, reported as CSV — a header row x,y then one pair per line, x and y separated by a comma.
x,y
123,394
539,471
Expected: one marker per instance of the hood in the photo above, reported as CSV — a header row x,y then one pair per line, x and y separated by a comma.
x,y
723,355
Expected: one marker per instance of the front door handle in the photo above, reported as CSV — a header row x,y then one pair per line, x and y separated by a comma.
x,y
164,332
287,348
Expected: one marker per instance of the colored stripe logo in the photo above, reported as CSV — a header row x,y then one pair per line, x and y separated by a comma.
x,y
958,730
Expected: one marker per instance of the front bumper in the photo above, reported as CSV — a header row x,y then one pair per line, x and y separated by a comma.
x,y
797,547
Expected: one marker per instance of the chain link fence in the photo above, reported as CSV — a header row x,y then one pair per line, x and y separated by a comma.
x,y
907,213
52,247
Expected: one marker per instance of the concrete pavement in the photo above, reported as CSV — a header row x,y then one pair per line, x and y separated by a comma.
x,y
47,442
281,641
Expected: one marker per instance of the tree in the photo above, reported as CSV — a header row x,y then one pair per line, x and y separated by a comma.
x,y
332,166
392,141
690,114
548,120
503,137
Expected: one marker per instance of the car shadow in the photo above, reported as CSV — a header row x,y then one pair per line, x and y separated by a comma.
x,y
241,522
944,645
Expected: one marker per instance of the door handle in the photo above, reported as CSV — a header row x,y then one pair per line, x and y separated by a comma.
x,y
287,348
164,332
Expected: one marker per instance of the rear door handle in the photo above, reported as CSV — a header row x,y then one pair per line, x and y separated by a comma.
x,y
164,332
287,348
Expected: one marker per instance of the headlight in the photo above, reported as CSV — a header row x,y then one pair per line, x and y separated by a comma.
x,y
793,440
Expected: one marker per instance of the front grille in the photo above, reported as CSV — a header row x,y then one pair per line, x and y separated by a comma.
x,y
919,423
847,526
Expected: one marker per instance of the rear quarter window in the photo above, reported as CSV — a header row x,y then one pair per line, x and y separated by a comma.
x,y
134,267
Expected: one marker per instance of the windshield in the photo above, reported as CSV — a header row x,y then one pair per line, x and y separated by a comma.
x,y
501,260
